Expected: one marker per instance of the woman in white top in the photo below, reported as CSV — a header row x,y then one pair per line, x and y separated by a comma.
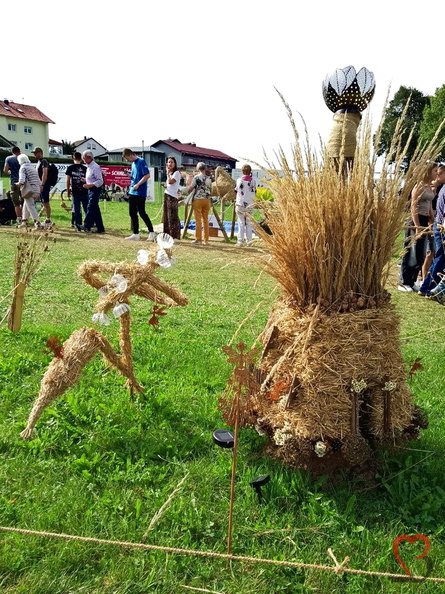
x,y
29,183
244,205
172,225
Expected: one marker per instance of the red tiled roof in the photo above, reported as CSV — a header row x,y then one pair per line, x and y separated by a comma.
x,y
55,142
192,149
26,112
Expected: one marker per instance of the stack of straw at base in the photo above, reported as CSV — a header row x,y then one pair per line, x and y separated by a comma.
x,y
332,381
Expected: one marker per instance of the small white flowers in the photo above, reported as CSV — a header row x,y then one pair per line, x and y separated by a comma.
x,y
162,259
143,257
117,283
101,318
165,241
389,386
281,436
358,386
320,449
120,309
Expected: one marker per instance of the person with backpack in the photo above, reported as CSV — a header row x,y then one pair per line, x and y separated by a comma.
x,y
48,178
74,185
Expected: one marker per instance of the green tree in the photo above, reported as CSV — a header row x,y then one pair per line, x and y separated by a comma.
x,y
417,103
433,115
68,148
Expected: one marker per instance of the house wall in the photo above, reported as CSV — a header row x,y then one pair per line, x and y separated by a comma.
x,y
152,159
39,135
190,160
169,152
91,145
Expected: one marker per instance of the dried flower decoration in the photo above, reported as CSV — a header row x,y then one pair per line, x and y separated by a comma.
x,y
101,318
120,309
358,386
320,449
389,387
54,346
283,435
155,313
143,257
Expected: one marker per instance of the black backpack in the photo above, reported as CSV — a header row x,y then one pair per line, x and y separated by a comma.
x,y
53,174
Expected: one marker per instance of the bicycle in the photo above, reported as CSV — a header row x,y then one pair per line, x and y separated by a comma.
x,y
104,195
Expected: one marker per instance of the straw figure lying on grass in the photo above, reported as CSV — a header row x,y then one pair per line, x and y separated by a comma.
x,y
129,278
332,380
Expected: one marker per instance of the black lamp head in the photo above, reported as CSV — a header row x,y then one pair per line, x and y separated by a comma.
x,y
258,482
223,438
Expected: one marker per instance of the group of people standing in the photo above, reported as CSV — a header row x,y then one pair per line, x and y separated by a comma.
x,y
31,183
28,184
423,263
84,181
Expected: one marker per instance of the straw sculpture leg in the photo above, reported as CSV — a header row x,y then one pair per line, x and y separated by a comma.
x,y
64,372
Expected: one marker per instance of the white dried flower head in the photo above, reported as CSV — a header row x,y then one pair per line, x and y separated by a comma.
x,y
118,283
320,449
281,436
165,241
143,257
358,386
162,259
259,430
101,318
120,309
389,386
104,291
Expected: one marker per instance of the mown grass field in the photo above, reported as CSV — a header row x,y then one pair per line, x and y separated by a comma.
x,y
102,464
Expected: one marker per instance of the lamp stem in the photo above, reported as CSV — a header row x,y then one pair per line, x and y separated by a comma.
x,y
232,483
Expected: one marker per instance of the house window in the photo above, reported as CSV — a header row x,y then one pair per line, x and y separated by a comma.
x,y
89,145
94,147
29,146
28,129
12,127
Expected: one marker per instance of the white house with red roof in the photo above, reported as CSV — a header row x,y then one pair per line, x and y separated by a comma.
x,y
24,126
89,144
188,154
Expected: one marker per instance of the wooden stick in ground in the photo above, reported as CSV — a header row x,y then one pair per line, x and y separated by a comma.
x,y
232,232
16,311
232,482
220,223
187,221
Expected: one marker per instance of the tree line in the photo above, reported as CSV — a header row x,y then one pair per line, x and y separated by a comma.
x,y
424,115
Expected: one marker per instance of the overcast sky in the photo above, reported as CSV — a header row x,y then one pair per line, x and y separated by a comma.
x,y
205,72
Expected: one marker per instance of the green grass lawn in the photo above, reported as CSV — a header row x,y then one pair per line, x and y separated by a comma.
x,y
102,464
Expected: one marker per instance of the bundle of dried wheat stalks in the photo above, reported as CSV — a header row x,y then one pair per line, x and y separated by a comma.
x,y
331,375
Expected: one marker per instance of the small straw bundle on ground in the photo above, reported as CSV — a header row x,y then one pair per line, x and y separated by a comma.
x,y
29,253
333,381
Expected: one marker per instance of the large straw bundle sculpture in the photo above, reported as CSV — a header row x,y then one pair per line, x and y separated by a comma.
x,y
332,378
66,367
223,187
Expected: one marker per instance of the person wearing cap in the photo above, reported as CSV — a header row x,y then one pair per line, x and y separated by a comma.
x,y
12,167
42,170
202,186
